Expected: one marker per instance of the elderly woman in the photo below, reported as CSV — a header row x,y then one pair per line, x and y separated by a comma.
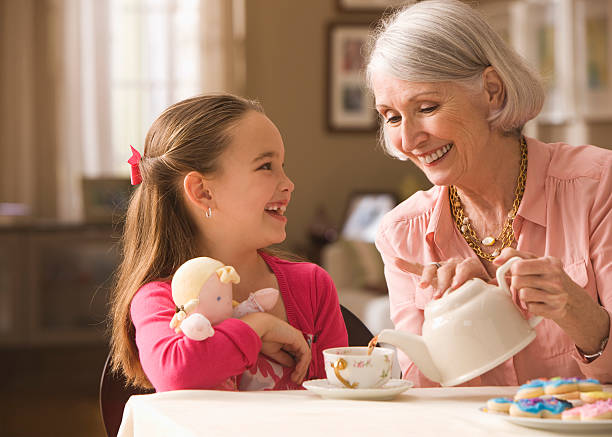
x,y
453,99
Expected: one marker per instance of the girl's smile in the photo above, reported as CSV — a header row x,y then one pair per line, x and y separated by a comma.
x,y
277,210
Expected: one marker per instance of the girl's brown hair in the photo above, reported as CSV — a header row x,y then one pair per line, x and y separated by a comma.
x,y
159,233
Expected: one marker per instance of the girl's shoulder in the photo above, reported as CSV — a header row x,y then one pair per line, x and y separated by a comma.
x,y
288,264
151,295
294,270
153,287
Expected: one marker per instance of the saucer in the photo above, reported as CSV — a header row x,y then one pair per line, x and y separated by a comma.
x,y
388,391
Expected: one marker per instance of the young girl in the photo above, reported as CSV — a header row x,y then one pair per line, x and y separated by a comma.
x,y
211,183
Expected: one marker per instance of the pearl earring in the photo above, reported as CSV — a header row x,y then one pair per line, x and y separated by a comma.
x,y
208,213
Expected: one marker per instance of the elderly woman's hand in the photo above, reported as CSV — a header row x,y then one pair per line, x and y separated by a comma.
x,y
543,288
446,275
540,284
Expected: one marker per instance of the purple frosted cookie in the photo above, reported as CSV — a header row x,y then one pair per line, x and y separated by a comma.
x,y
538,407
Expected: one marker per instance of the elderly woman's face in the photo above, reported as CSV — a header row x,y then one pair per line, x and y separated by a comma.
x,y
441,127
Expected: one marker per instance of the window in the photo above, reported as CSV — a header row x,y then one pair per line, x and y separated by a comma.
x,y
154,62
124,62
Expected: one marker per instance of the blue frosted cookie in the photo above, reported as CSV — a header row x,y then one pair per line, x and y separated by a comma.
x,y
499,405
550,408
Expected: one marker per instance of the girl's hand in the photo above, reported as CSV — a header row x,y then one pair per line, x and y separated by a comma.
x,y
446,275
281,342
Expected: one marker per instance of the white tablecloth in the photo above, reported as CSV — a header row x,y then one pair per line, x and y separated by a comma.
x,y
416,412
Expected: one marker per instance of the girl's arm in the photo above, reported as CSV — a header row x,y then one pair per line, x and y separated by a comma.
x,y
172,361
281,342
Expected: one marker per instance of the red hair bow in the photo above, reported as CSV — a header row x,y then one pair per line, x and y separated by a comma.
x,y
134,161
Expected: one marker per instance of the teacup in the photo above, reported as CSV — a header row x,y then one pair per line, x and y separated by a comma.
x,y
352,367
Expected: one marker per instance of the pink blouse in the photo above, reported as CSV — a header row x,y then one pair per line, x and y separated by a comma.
x,y
566,212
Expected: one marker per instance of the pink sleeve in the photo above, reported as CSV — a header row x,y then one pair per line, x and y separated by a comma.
x,y
407,301
174,362
329,324
601,258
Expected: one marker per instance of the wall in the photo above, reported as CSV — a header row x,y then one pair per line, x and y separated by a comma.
x,y
286,57
286,70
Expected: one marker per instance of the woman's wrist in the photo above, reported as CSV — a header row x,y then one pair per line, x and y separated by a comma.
x,y
588,325
589,358
592,335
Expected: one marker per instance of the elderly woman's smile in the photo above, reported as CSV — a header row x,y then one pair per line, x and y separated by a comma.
x,y
435,156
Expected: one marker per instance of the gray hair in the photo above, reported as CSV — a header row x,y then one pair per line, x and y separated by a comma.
x,y
449,41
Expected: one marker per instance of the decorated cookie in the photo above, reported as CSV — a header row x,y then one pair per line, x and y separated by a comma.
x,y
600,410
531,389
500,405
569,396
589,384
594,396
571,414
555,386
538,407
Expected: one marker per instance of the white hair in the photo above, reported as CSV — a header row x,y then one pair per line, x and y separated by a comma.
x,y
449,41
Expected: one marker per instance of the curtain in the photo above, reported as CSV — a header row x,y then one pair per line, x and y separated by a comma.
x,y
28,95
74,98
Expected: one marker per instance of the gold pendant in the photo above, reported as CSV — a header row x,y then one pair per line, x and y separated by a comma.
x,y
489,241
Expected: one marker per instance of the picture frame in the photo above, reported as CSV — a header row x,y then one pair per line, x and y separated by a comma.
x,y
373,6
350,106
105,199
363,214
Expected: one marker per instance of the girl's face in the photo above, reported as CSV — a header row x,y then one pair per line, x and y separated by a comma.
x,y
441,127
251,190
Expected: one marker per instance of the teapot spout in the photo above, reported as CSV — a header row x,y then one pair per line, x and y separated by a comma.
x,y
416,349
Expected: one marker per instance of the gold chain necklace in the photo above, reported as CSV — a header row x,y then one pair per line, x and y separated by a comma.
x,y
506,236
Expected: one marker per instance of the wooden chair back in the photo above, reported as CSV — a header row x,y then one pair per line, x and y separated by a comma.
x,y
114,393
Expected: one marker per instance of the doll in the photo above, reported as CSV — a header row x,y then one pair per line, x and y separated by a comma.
x,y
202,293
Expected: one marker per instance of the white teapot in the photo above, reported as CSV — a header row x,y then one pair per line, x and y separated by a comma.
x,y
467,332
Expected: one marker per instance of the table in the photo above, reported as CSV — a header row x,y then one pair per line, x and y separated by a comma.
x,y
416,412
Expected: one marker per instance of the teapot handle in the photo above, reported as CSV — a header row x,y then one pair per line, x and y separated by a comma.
x,y
501,280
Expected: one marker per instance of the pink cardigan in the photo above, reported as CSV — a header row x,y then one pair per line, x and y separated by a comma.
x,y
566,212
173,362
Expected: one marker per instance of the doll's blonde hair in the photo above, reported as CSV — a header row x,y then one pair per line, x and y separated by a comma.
x,y
188,281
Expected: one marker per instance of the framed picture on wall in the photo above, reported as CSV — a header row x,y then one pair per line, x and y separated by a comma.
x,y
370,5
105,199
363,214
350,106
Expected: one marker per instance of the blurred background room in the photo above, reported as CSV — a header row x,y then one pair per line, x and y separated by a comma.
x,y
82,80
